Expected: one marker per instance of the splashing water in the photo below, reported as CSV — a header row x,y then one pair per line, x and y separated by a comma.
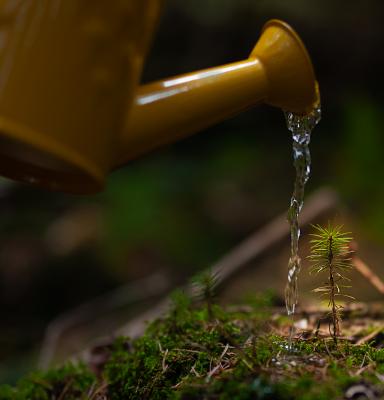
x,y
301,127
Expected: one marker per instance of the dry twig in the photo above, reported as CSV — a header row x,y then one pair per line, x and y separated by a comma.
x,y
278,229
364,270
275,231
369,337
218,365
122,296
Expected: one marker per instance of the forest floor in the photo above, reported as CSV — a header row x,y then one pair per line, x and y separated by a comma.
x,y
202,351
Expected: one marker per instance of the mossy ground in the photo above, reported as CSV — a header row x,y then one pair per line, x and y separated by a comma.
x,y
201,353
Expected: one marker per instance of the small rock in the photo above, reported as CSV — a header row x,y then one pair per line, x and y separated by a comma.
x,y
302,324
361,391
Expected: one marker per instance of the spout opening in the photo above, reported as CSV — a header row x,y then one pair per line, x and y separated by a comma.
x,y
291,76
298,41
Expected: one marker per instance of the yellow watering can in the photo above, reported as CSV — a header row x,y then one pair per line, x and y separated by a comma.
x,y
71,109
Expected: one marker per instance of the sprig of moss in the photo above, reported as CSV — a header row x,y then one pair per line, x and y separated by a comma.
x,y
204,288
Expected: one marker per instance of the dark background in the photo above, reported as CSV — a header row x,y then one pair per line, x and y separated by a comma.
x,y
176,211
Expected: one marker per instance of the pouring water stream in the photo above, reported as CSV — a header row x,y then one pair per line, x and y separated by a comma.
x,y
301,127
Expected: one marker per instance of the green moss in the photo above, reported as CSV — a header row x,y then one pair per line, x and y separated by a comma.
x,y
69,382
196,353
188,340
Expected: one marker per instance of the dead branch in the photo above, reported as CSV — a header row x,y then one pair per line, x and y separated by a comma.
x,y
369,337
154,285
275,231
278,229
319,203
371,277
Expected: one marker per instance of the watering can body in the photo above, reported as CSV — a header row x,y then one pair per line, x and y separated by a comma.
x,y
72,109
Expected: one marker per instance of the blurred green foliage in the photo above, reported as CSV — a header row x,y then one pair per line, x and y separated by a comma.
x,y
359,161
160,203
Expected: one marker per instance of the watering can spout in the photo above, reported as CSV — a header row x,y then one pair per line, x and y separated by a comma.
x,y
278,72
291,79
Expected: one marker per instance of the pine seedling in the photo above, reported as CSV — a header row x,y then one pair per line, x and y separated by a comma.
x,y
330,254
204,288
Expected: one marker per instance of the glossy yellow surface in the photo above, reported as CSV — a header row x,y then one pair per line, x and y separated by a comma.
x,y
71,109
278,72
